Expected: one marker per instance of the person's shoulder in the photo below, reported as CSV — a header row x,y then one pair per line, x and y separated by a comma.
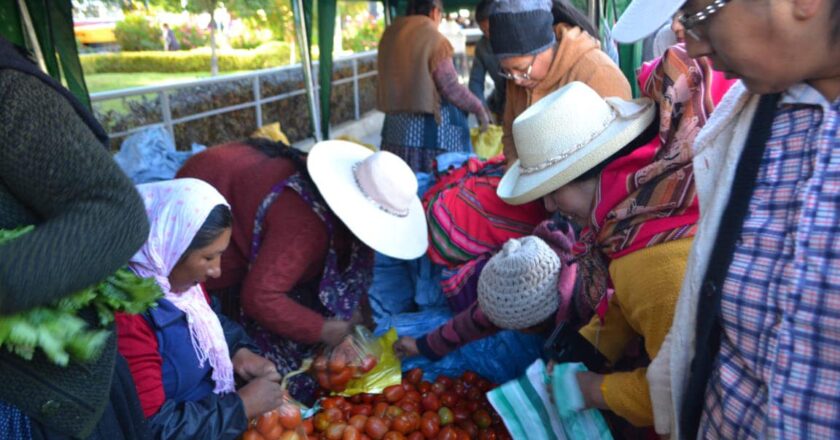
x,y
15,84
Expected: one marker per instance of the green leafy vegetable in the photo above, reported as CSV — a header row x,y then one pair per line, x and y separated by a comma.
x,y
59,332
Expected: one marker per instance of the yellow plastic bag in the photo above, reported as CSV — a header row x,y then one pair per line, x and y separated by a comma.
x,y
272,132
348,138
487,144
386,373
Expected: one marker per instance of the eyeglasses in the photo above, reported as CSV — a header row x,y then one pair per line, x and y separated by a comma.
x,y
515,76
690,22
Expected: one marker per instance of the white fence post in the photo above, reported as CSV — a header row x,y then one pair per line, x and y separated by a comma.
x,y
258,101
356,104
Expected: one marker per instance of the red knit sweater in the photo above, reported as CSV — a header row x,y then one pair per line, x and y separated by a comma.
x,y
294,243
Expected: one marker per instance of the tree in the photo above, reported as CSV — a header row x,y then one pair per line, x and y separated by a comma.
x,y
242,8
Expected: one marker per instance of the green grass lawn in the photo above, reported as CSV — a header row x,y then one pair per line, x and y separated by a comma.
x,y
101,82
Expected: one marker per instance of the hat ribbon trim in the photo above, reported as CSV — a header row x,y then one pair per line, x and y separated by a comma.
x,y
388,210
565,154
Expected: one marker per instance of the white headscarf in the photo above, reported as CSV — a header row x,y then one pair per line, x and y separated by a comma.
x,y
177,209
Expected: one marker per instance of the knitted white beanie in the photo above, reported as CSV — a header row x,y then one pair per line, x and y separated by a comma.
x,y
518,287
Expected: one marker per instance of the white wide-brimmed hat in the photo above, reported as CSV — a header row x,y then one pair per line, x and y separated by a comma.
x,y
374,194
644,17
566,134
517,288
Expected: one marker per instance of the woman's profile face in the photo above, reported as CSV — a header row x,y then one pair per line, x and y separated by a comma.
x,y
199,264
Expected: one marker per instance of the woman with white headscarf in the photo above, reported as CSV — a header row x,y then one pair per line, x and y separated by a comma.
x,y
182,354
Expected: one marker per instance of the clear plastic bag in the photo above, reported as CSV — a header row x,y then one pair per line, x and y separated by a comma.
x,y
358,354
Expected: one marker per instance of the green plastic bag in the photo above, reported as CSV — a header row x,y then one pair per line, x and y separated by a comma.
x,y
387,372
528,412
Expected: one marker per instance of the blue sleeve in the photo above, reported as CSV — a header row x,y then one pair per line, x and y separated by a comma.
x,y
477,74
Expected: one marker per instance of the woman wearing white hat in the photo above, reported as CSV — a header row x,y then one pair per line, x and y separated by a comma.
x,y
600,162
304,231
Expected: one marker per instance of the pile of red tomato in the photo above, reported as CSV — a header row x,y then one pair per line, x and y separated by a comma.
x,y
283,423
414,410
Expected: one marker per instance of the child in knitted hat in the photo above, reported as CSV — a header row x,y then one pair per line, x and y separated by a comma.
x,y
526,287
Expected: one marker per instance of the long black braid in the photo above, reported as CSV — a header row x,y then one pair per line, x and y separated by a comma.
x,y
274,149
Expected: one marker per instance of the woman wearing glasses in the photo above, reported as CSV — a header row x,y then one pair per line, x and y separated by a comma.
x,y
419,92
543,45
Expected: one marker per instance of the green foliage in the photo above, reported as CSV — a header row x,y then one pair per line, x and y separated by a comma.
x,y
273,54
136,33
362,35
58,331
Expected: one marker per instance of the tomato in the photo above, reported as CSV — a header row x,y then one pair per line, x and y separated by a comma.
x,y
413,396
482,419
358,421
424,387
469,427
446,416
337,362
308,426
351,433
320,363
321,421
367,364
414,418
323,379
438,388
484,385
469,377
401,424
471,405
375,428
430,402
393,412
334,415
275,433
394,393
461,414
475,394
267,422
291,435
335,431
448,398
338,380
460,388
355,399
462,435
344,405
380,409
368,398
393,435
414,376
362,408
430,426
486,434
252,434
448,433
416,435
290,417
409,406
408,387
445,381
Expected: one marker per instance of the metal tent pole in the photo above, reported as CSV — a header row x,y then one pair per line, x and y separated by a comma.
x,y
388,17
306,62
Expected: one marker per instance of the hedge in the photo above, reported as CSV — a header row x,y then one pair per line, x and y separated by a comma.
x,y
266,56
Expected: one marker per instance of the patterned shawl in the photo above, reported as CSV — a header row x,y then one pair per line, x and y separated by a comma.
x,y
648,197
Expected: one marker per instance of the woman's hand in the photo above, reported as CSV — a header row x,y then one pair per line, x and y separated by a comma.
x,y
334,331
261,396
406,347
249,366
483,119
590,387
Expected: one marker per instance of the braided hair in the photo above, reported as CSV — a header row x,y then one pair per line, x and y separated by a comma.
x,y
274,149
